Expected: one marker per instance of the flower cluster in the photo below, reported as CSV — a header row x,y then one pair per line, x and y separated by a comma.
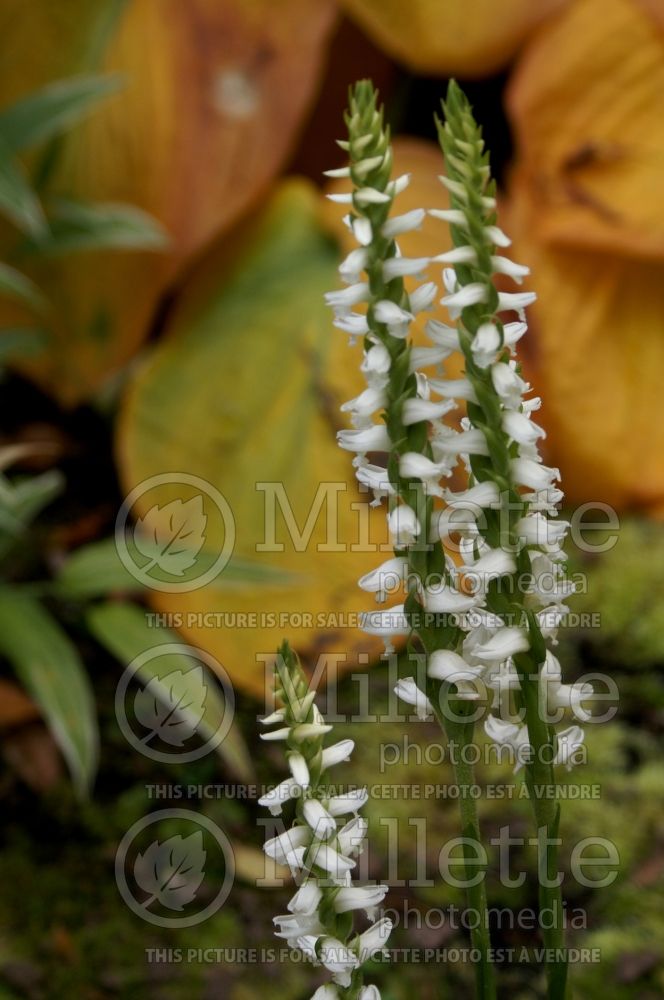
x,y
488,633
321,845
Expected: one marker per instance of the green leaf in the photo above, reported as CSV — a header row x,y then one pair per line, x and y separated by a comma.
x,y
122,628
53,109
14,285
96,569
76,227
93,571
21,341
22,501
18,202
47,663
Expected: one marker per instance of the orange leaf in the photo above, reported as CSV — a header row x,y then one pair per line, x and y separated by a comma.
x,y
445,37
596,356
586,104
215,93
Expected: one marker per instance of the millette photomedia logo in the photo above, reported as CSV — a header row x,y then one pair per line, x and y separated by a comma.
x,y
174,868
175,532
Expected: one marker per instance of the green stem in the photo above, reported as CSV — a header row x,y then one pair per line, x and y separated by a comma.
x,y
464,775
541,784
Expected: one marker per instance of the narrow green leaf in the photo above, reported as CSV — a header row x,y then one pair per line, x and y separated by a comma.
x,y
18,202
14,285
122,628
48,664
93,571
76,227
53,109
21,341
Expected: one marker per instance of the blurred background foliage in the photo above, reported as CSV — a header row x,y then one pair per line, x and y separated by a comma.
x,y
164,246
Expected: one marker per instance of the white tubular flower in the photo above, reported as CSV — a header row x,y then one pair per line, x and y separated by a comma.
x,y
403,525
446,665
556,695
372,438
306,900
417,410
426,357
455,302
318,818
481,496
350,270
443,335
363,407
509,386
393,315
526,472
447,600
491,565
346,298
359,897
485,345
405,223
349,802
274,800
375,478
327,992
450,442
453,216
520,428
401,267
376,365
570,742
422,298
504,643
299,769
373,941
387,578
413,465
353,323
535,529
512,736
453,388
407,690
503,265
387,625
369,993
338,959
338,753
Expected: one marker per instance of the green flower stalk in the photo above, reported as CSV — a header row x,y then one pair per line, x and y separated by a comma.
x,y
397,388
480,627
321,845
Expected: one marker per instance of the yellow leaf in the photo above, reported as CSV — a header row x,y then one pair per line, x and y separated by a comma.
x,y
596,355
214,94
445,37
586,105
244,390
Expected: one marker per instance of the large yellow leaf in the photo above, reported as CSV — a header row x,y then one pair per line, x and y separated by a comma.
x,y
587,104
596,355
214,94
444,37
244,390
587,213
